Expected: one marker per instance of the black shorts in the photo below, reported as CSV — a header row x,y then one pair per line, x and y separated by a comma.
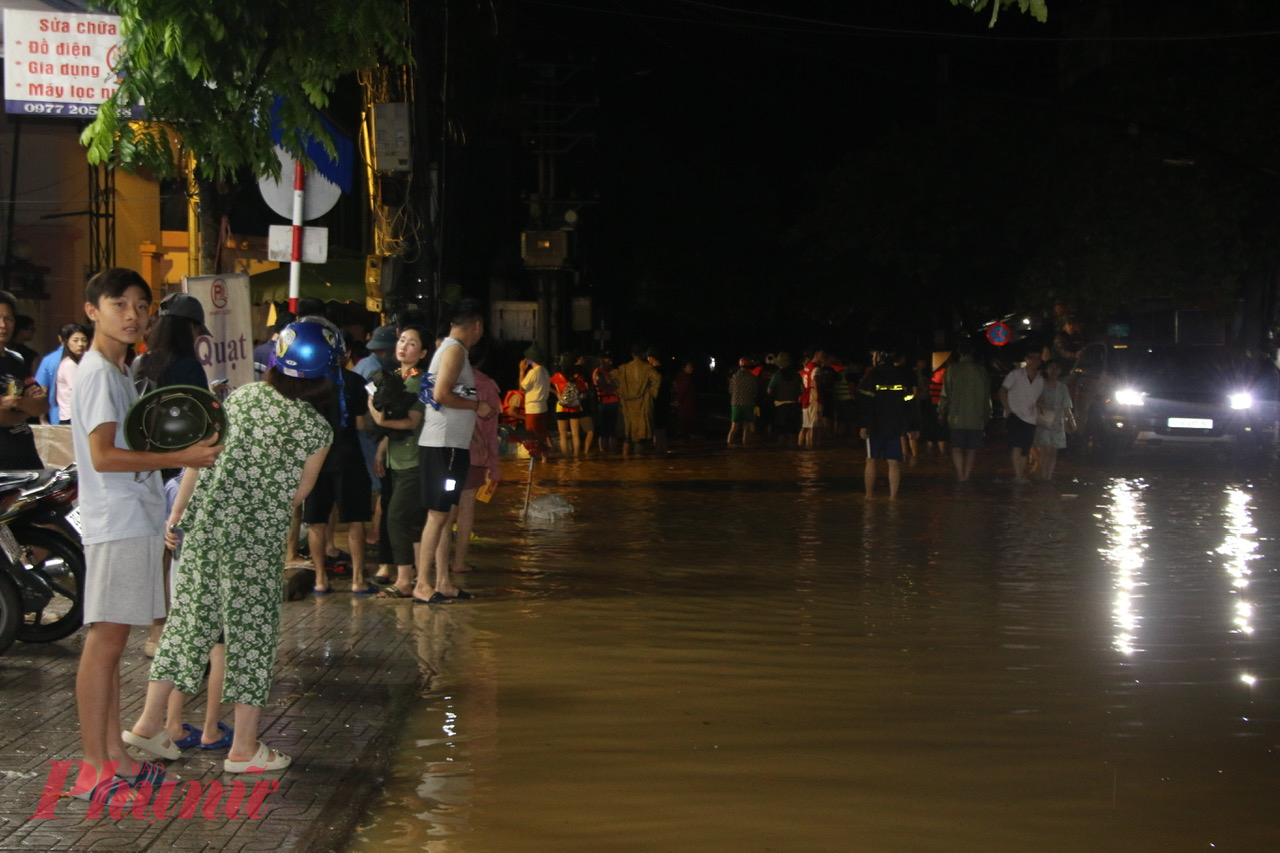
x,y
350,489
444,474
1021,433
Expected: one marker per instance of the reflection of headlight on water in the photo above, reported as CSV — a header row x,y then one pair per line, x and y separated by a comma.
x,y
1130,397
1241,400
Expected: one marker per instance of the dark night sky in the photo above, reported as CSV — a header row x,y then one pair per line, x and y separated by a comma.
x,y
716,127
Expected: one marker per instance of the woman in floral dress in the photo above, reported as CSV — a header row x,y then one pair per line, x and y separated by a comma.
x,y
232,554
1054,419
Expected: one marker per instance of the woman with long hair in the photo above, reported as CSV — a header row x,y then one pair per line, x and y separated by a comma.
x,y
77,343
395,408
171,357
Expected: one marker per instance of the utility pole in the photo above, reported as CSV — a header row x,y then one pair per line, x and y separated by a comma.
x,y
545,244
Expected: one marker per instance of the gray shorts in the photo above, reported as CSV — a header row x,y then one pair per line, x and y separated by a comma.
x,y
124,582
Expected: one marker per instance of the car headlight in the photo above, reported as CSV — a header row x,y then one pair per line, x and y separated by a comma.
x,y
1241,400
1130,397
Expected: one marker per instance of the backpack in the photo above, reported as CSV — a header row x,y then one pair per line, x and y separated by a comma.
x,y
569,397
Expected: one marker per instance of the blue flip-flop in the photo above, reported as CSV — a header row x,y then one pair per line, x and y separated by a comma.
x,y
153,773
105,791
315,591
223,742
190,739
369,589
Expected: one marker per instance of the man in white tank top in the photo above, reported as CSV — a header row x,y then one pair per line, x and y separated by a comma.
x,y
449,394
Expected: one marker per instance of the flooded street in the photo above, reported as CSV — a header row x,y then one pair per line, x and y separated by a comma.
x,y
737,651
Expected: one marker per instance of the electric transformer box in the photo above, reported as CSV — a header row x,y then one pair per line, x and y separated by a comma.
x,y
391,138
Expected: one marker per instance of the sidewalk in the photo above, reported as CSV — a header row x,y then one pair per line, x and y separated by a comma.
x,y
345,673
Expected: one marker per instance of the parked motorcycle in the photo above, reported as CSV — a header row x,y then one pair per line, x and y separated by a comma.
x,y
41,558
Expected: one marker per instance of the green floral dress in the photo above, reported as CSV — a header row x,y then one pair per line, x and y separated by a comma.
x,y
229,580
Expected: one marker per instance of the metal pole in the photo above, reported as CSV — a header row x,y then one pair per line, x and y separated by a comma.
x,y
529,488
295,265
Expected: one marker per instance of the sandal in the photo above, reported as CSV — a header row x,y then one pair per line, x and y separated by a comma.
x,y
223,742
264,760
157,745
190,739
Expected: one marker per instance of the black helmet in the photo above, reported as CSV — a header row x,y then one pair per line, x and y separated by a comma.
x,y
174,418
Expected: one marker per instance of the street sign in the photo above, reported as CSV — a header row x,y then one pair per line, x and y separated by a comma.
x,y
999,334
320,193
315,244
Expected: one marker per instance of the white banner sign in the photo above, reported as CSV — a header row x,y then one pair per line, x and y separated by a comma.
x,y
58,64
315,244
227,351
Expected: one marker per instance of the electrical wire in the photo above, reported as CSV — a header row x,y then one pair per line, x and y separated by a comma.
x,y
829,27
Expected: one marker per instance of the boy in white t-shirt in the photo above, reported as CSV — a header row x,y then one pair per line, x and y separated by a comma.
x,y
122,508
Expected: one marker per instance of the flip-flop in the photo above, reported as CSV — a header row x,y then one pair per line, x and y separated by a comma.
x,y
318,591
158,744
264,760
153,773
105,791
441,598
223,742
383,580
190,739
393,591
369,589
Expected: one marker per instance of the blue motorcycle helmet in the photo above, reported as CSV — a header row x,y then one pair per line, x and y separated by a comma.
x,y
308,350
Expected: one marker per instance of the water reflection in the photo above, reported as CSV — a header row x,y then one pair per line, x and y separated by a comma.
x,y
1239,549
740,652
1126,546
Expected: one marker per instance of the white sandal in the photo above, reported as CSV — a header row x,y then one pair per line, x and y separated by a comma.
x,y
158,745
264,760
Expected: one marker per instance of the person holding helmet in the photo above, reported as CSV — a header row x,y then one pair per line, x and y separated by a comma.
x,y
233,517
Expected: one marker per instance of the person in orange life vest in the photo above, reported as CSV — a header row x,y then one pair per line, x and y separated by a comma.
x,y
810,402
606,390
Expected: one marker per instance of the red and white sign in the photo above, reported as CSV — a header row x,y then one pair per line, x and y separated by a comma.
x,y
227,351
58,64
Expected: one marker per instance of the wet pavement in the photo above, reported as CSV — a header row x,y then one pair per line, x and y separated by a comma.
x,y
736,650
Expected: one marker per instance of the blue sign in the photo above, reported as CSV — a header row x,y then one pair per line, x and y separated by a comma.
x,y
999,334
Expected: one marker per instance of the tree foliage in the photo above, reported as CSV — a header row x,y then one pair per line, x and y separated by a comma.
x,y
1038,9
212,70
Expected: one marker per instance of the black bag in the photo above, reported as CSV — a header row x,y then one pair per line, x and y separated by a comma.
x,y
391,398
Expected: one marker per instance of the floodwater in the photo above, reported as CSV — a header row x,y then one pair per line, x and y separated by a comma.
x,y
737,651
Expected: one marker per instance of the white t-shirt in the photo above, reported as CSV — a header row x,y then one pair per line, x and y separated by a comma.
x,y
1023,393
441,425
113,506
536,385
